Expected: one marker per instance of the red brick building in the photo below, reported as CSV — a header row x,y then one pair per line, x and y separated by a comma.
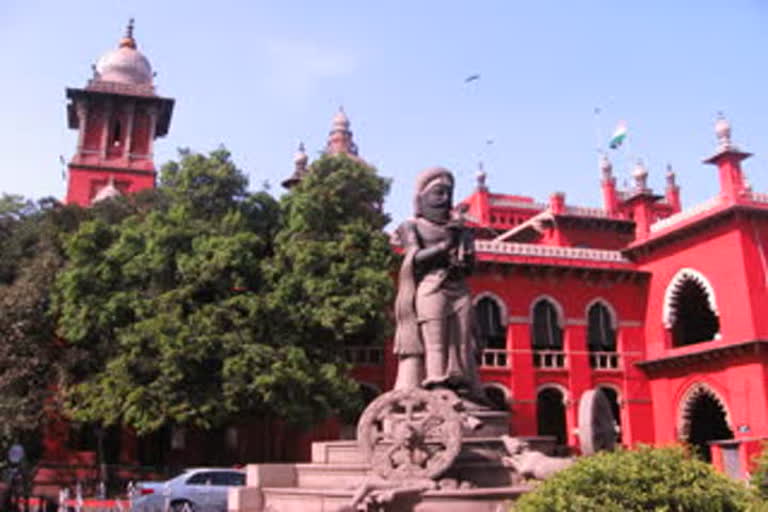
x,y
667,310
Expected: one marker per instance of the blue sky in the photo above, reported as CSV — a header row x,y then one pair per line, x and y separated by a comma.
x,y
261,76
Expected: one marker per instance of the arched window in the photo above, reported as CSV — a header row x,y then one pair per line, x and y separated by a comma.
x,y
492,332
497,395
117,133
613,398
704,418
546,331
601,335
689,309
550,414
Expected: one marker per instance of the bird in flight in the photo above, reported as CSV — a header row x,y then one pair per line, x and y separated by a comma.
x,y
472,78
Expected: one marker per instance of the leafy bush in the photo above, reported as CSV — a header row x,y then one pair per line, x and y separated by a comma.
x,y
645,479
760,475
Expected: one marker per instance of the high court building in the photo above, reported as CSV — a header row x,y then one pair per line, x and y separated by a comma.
x,y
664,309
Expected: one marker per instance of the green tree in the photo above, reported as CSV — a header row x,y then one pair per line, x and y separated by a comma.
x,y
645,479
331,272
759,479
173,310
30,358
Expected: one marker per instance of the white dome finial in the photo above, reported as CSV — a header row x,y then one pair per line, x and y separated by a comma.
x,y
723,131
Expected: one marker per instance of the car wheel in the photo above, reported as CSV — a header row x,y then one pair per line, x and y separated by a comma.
x,y
182,506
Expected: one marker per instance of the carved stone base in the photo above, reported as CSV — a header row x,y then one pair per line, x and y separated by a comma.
x,y
338,468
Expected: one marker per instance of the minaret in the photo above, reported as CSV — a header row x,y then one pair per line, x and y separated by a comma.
x,y
300,161
608,184
340,137
672,191
641,201
728,160
118,116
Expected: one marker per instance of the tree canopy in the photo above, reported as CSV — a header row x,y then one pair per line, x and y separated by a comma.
x,y
203,301
31,360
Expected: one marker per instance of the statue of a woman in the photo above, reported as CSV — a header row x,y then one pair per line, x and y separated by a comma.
x,y
435,340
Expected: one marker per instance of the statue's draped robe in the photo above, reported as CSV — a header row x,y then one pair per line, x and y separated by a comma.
x,y
434,309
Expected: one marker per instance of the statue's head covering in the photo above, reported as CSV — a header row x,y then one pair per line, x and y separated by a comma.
x,y
425,180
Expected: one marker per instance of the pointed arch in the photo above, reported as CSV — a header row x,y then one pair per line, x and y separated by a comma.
x,y
558,308
499,302
491,320
601,327
687,403
614,317
551,400
672,294
547,320
498,394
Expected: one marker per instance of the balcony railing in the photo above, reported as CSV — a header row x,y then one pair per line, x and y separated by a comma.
x,y
495,358
364,355
549,359
604,360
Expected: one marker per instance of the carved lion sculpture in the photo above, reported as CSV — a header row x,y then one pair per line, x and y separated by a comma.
x,y
530,463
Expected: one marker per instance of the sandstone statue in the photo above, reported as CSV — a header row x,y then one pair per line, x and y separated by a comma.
x,y
530,463
435,339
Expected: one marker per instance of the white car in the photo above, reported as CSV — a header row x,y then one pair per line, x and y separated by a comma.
x,y
195,490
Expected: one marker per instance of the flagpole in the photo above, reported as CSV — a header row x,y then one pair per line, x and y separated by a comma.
x,y
598,134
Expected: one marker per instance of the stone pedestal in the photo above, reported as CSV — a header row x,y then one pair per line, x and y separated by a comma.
x,y
479,480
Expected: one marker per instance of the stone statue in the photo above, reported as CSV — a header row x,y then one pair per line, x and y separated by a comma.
x,y
532,464
435,338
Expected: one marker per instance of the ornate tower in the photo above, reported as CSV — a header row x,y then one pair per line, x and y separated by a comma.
x,y
118,116
340,137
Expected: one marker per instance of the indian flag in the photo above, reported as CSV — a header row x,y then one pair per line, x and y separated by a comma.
x,y
618,135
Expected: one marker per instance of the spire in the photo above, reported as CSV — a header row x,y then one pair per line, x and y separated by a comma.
x,y
723,132
640,174
128,41
300,160
670,176
340,137
480,176
606,167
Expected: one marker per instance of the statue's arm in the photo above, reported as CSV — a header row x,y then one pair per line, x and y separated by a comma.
x,y
423,254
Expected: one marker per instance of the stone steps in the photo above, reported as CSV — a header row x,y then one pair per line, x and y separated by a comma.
x,y
296,499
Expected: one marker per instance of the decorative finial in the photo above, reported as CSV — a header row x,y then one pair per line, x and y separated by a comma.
x,y
301,158
128,41
640,173
747,186
723,132
340,138
670,176
606,167
480,175
340,120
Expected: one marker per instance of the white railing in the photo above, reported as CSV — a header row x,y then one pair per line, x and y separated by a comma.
x,y
495,358
758,197
508,203
549,359
583,211
364,355
685,214
604,360
547,251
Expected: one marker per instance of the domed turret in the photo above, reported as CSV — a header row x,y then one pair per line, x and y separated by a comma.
x,y
640,174
606,168
723,131
340,138
125,65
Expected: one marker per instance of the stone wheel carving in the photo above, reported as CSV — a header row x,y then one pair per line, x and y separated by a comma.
x,y
597,426
411,433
